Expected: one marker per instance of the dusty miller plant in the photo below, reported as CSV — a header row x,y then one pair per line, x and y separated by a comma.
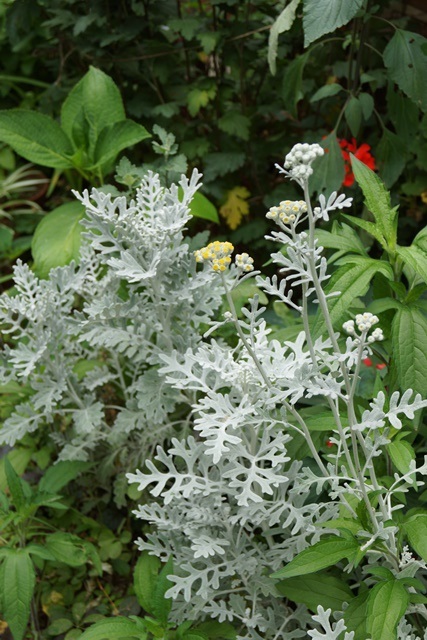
x,y
83,346
260,539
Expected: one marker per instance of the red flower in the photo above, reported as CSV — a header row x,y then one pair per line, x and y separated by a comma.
x,y
367,362
380,366
362,153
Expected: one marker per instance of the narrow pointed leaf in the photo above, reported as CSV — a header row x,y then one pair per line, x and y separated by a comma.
x,y
18,581
321,555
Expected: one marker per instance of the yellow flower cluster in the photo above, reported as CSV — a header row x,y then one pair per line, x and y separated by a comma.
x,y
217,253
287,211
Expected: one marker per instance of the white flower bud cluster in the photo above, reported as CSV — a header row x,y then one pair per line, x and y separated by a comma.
x,y
298,161
244,261
288,211
364,322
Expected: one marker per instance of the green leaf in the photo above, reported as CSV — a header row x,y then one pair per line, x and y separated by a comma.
x,y
235,123
39,551
321,422
222,163
367,226
57,238
326,91
94,103
320,589
198,98
324,16
391,157
36,137
113,628
144,580
367,104
353,115
292,83
321,555
60,625
241,294
406,62
59,475
416,531
162,606
283,23
116,137
187,27
328,170
387,602
214,629
404,114
377,200
401,454
416,258
201,207
15,486
342,237
409,349
352,281
67,548
19,459
355,615
19,579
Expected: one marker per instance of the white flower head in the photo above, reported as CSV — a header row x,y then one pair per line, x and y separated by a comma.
x,y
298,161
244,262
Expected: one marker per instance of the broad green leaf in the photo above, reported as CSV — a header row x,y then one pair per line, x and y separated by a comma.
x,y
201,207
283,23
162,606
241,294
40,551
387,603
416,258
221,163
352,281
214,629
416,530
144,579
116,137
421,240
235,123
67,548
326,91
404,114
401,454
198,98
187,27
377,200
383,304
367,104
14,484
391,157
57,238
353,115
406,62
328,170
94,103
59,475
324,16
19,579
60,626
367,226
409,349
36,137
321,555
342,237
113,628
19,459
355,615
292,83
321,588
322,421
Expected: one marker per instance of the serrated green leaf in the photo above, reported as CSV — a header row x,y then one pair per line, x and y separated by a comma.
x,y
57,238
59,475
36,137
116,137
292,83
321,589
67,548
367,226
15,486
214,629
144,579
409,349
19,579
377,200
282,23
235,123
353,114
416,531
401,454
39,551
113,628
198,98
19,459
326,91
162,606
328,170
321,555
416,258
341,237
355,615
59,626
387,602
391,157
406,62
324,16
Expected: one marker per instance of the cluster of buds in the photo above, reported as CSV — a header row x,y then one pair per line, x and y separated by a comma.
x,y
218,254
244,261
288,211
298,161
364,322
